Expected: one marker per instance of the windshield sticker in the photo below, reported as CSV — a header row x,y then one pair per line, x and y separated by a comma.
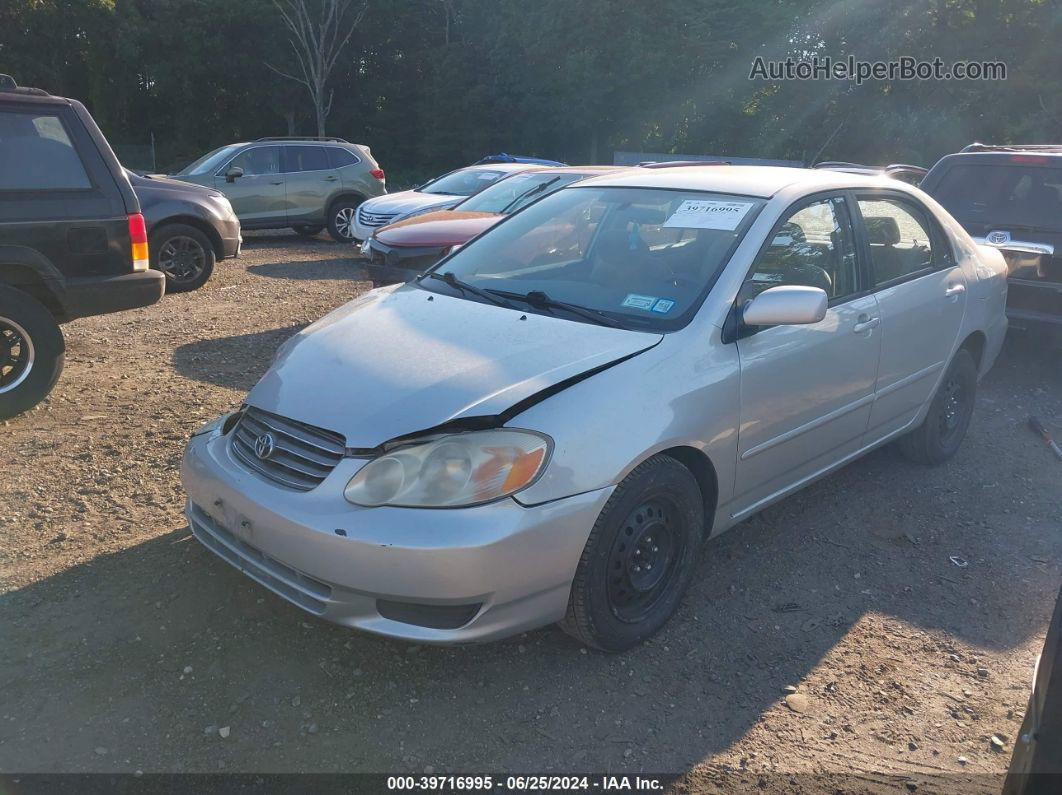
x,y
663,306
639,301
698,214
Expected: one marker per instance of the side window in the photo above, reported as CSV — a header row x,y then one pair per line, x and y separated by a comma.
x,y
341,157
305,158
813,247
898,238
257,161
36,153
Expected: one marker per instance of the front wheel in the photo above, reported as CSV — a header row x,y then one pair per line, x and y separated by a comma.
x,y
31,352
341,220
938,437
639,558
184,254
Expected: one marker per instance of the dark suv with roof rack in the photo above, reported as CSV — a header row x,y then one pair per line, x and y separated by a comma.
x,y
72,240
1010,197
304,183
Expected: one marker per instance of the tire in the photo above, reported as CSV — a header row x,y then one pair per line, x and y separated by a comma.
x,y
341,219
941,433
616,600
184,254
31,352
308,231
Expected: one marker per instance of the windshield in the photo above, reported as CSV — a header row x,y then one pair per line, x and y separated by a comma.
x,y
1003,194
464,182
645,257
509,195
209,162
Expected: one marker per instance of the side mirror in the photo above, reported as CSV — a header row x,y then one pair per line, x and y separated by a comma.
x,y
786,305
232,174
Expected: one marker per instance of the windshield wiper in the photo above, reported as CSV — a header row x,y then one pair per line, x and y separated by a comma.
x,y
540,299
529,192
450,279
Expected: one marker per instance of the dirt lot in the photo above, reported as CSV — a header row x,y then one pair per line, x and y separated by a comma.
x,y
126,646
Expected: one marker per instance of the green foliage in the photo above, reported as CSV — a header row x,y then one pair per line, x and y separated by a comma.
x,y
431,84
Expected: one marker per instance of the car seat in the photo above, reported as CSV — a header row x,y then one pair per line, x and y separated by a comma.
x,y
883,233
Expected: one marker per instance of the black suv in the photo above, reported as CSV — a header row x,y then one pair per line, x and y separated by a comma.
x,y
1010,197
72,240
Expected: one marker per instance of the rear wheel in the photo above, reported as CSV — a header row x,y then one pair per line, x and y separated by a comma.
x,y
341,220
938,437
184,254
639,558
31,352
308,231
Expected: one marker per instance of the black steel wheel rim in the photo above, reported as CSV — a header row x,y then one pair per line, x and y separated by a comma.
x,y
952,408
182,258
644,560
16,355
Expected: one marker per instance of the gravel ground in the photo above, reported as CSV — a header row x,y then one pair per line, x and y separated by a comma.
x,y
126,646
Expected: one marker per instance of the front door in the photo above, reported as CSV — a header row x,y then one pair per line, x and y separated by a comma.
x,y
921,294
311,180
806,391
258,195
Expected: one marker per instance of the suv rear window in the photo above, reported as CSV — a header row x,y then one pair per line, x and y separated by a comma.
x,y
1003,193
36,153
305,158
341,157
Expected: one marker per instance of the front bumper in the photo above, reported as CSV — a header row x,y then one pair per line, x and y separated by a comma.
x,y
502,568
101,295
396,264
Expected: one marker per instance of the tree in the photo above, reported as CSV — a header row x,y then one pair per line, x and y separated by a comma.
x,y
317,45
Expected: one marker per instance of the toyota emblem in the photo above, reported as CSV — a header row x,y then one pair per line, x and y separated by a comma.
x,y
264,446
998,238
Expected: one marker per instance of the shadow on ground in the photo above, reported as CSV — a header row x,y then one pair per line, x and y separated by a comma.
x,y
236,361
139,652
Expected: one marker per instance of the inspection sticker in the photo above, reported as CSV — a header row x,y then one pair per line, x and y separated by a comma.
x,y
663,306
639,301
707,214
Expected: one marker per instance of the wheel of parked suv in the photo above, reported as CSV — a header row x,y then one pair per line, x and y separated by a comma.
x,y
308,231
31,352
341,220
938,437
184,254
639,557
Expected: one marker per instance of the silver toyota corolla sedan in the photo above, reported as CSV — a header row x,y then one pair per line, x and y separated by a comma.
x,y
548,425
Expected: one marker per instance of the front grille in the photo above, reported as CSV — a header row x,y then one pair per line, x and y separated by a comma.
x,y
298,456
366,218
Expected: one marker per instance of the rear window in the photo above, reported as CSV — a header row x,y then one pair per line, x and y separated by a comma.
x,y
36,153
1003,193
341,157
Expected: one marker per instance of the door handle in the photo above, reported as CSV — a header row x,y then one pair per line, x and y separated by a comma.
x,y
955,290
865,323
276,183
331,179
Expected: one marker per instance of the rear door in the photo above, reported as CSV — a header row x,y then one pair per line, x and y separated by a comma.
x,y
58,197
311,180
806,391
258,195
921,293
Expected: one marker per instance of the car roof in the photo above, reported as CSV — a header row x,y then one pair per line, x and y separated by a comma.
x,y
760,181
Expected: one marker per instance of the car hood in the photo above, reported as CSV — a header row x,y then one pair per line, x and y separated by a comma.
x,y
444,228
401,360
166,185
409,200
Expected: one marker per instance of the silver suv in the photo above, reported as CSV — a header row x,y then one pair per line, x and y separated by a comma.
x,y
304,183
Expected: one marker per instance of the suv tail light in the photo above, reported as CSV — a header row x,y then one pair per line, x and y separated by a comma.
x,y
139,241
377,173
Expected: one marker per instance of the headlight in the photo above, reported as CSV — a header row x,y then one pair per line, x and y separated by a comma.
x,y
365,247
450,471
